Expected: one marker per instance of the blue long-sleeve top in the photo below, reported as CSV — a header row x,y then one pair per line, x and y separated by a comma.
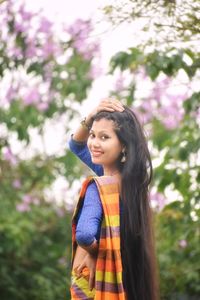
x,y
90,215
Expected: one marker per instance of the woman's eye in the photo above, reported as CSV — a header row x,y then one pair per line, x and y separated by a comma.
x,y
91,135
104,137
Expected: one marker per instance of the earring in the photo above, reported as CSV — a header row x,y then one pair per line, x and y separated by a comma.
x,y
123,159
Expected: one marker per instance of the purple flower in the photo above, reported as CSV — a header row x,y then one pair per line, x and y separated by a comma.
x,y
22,207
80,29
80,45
164,106
42,106
197,115
31,97
183,243
158,199
25,15
10,94
50,49
31,50
45,25
20,27
9,156
95,71
119,84
27,199
16,183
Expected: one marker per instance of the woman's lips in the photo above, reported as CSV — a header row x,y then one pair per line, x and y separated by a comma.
x,y
96,153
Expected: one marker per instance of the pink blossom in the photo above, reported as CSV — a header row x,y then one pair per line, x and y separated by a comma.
x,y
183,243
26,15
9,156
95,71
27,199
87,50
80,28
141,73
158,199
10,94
31,97
14,52
166,107
145,112
49,49
45,25
22,207
31,50
198,114
119,84
16,183
30,199
20,27
80,45
42,106
80,31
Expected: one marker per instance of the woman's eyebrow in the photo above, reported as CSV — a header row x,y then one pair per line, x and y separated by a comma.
x,y
102,131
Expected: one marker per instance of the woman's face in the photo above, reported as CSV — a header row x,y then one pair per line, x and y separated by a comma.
x,y
104,145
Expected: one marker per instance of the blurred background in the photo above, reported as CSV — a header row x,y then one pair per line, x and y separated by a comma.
x,y
57,60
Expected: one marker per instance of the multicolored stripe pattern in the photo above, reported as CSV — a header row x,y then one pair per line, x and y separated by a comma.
x,y
79,286
108,277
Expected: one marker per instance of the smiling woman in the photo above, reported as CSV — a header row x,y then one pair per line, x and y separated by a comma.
x,y
104,145
117,261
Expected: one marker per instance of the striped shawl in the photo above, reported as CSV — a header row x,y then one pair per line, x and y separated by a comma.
x,y
108,277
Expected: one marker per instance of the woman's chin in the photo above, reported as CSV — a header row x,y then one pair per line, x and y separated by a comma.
x,y
96,160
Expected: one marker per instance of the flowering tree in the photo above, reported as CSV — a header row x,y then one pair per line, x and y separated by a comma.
x,y
44,70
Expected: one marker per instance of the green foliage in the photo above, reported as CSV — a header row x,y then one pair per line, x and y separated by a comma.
x,y
155,62
179,270
34,254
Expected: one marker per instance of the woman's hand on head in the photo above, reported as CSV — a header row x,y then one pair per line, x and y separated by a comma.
x,y
108,104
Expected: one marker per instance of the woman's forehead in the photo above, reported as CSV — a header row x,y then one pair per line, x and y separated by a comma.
x,y
103,124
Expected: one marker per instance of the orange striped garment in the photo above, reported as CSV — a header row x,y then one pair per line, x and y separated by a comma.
x,y
108,276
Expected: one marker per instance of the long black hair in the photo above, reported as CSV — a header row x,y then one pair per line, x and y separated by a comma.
x,y
137,241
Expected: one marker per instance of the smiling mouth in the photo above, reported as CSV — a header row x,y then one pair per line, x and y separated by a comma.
x,y
96,153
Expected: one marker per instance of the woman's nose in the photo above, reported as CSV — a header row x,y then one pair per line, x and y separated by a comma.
x,y
95,143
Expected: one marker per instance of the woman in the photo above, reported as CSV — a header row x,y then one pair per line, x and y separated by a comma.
x,y
112,231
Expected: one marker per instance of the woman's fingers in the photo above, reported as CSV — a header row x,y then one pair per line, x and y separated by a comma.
x,y
79,269
91,280
110,104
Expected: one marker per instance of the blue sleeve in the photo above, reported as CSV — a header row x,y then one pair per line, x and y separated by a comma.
x,y
81,150
89,220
